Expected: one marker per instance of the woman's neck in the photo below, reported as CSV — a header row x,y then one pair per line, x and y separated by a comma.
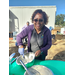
x,y
38,31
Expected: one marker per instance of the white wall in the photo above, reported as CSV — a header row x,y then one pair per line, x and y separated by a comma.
x,y
20,15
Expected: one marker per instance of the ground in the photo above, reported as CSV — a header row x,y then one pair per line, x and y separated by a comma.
x,y
56,52
13,48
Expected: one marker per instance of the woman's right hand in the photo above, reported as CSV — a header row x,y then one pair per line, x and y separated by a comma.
x,y
21,50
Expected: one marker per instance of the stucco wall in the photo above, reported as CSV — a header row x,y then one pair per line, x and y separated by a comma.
x,y
20,15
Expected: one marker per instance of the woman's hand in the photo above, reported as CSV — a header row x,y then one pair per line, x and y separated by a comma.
x,y
21,50
37,53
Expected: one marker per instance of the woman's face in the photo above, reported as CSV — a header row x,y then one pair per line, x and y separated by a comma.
x,y
38,21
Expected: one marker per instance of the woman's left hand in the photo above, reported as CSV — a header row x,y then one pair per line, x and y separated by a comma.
x,y
37,53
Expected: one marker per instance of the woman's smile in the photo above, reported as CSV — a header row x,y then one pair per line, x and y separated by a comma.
x,y
38,25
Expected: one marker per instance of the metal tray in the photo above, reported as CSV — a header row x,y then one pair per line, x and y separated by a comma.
x,y
41,69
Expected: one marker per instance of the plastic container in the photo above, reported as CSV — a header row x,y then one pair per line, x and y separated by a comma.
x,y
14,34
10,57
14,38
57,67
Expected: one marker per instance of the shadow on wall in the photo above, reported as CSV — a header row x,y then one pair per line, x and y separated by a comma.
x,y
60,56
13,22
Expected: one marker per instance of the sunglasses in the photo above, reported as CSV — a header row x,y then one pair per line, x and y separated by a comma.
x,y
40,20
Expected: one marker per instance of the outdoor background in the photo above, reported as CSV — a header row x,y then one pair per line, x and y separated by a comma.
x,y
57,50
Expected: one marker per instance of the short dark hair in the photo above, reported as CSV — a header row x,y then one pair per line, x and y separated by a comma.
x,y
41,12
27,21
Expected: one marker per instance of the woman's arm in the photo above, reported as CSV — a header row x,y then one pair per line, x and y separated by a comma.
x,y
49,42
22,35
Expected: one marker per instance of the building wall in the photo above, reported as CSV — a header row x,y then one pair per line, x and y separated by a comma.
x,y
20,15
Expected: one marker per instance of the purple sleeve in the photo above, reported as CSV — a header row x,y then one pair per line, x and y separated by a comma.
x,y
49,43
21,35
24,27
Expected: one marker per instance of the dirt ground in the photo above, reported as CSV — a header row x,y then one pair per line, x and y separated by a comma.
x,y
56,52
13,48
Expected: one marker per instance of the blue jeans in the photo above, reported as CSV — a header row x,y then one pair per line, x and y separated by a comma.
x,y
16,44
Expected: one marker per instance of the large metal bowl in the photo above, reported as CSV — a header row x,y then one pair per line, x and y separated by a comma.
x,y
28,60
41,69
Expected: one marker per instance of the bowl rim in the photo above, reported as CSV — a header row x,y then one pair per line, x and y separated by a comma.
x,y
28,62
42,66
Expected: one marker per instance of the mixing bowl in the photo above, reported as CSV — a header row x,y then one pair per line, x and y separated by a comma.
x,y
28,60
41,69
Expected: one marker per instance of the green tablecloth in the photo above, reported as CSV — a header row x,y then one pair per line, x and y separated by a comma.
x,y
57,67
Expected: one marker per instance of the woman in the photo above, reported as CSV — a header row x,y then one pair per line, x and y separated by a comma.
x,y
39,36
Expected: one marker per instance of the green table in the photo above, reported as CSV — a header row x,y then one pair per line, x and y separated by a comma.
x,y
57,67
